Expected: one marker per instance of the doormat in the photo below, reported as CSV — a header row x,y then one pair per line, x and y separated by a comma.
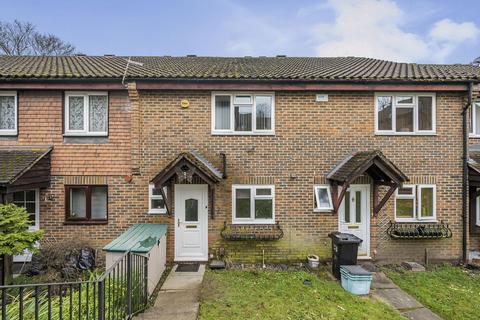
x,y
191,267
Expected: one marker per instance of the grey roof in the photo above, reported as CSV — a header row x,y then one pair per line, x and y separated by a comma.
x,y
139,238
14,161
230,68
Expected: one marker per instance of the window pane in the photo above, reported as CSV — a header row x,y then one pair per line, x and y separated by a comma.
x,y
30,195
7,113
75,111
243,118
264,112
264,192
191,210
384,113
426,207
158,204
222,112
404,99
323,199
425,113
477,118
156,192
98,107
99,202
245,99
405,191
30,207
31,217
242,203
19,196
358,206
78,203
263,208
347,206
404,119
405,208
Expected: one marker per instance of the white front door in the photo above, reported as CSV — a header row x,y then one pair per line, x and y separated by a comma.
x,y
354,216
191,222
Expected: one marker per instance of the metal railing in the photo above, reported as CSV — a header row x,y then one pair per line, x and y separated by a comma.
x,y
119,293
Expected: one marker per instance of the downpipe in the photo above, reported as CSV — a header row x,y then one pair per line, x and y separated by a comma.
x,y
465,173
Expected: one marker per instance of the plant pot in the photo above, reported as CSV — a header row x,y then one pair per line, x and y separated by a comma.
x,y
313,261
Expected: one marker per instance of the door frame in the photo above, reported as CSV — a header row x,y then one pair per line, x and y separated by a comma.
x,y
366,189
202,218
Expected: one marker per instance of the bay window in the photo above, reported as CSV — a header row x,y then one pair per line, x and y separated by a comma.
x,y
8,113
86,114
87,204
405,113
253,204
415,203
242,113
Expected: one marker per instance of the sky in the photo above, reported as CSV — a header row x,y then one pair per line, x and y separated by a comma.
x,y
421,31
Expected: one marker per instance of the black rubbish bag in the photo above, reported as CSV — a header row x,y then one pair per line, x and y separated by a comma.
x,y
86,260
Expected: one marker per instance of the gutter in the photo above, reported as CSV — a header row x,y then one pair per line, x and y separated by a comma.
x,y
465,173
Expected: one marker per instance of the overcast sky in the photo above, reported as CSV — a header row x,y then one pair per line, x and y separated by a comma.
x,y
427,31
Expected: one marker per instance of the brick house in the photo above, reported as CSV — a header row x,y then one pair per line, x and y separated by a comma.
x,y
261,157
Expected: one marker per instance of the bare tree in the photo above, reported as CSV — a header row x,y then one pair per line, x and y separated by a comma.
x,y
22,38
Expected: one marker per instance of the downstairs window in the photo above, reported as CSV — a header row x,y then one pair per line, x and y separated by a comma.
x,y
253,204
86,204
415,203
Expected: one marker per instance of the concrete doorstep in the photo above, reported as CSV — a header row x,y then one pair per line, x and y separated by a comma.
x,y
384,289
178,298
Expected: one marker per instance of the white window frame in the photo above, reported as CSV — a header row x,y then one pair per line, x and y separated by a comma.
x,y
86,118
253,196
36,226
151,197
232,95
316,208
396,105
11,132
417,202
473,126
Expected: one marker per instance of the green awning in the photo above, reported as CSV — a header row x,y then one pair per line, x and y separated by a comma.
x,y
139,238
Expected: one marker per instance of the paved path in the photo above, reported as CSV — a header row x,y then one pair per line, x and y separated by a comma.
x,y
178,297
384,289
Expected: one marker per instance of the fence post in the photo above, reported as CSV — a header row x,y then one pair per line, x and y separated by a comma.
x,y
129,285
145,280
101,300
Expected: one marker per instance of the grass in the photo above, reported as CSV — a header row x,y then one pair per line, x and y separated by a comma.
x,y
238,294
451,292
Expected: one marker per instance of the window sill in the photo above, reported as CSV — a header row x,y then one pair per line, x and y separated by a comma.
x,y
85,222
474,136
258,222
158,213
85,139
426,134
8,134
323,210
215,133
416,221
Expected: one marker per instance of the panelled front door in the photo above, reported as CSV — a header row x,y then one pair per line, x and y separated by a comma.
x,y
191,222
354,216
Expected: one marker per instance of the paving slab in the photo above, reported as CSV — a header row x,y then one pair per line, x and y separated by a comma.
x,y
381,281
398,298
421,314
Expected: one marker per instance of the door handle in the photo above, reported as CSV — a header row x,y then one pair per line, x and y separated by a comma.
x,y
178,223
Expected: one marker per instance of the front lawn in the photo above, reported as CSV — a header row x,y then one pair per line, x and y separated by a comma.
x,y
238,294
451,292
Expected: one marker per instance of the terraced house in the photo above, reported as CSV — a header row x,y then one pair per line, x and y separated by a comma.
x,y
250,158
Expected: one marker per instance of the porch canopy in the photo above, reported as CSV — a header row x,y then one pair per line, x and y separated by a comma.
x,y
188,167
23,168
372,163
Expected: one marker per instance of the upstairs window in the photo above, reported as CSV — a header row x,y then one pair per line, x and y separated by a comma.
x,y
475,120
86,204
86,114
8,113
405,113
242,113
253,204
415,203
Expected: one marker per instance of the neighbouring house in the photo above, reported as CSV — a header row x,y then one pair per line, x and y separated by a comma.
x,y
255,158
